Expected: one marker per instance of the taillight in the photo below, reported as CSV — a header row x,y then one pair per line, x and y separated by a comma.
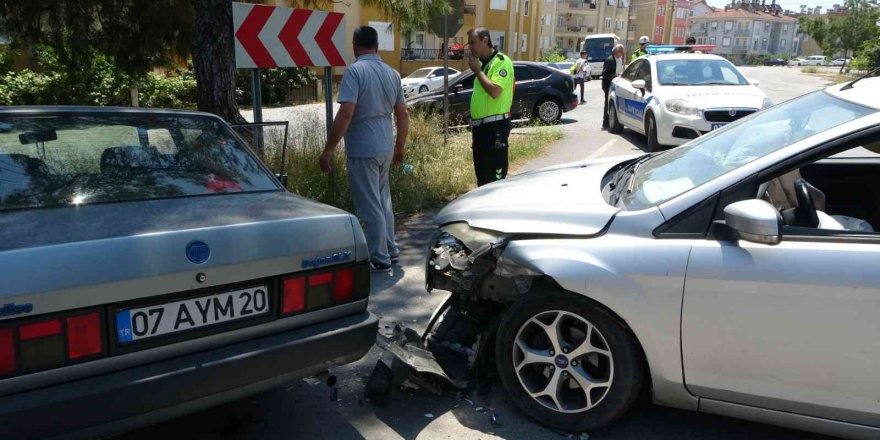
x,y
317,290
84,336
294,295
7,352
52,342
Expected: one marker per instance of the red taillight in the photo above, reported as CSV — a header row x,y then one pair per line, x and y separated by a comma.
x,y
343,287
315,291
7,352
320,279
84,335
39,330
294,295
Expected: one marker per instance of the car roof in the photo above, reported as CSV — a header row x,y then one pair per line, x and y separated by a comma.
x,y
685,56
26,110
863,92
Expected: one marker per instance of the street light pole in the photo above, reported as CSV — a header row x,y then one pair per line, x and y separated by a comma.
x,y
669,23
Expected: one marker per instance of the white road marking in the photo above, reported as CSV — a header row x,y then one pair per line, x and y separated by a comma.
x,y
602,149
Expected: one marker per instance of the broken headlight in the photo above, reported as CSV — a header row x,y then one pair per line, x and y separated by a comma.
x,y
455,259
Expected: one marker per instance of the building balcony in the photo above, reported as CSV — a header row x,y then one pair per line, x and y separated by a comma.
x,y
575,28
699,33
743,32
470,9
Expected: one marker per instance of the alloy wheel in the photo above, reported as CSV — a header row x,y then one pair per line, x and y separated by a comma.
x,y
563,361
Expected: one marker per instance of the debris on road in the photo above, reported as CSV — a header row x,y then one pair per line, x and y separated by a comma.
x,y
429,415
496,423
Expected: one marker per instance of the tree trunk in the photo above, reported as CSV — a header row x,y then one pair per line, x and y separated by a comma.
x,y
214,59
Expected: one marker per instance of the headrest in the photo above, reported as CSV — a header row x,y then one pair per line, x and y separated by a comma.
x,y
130,157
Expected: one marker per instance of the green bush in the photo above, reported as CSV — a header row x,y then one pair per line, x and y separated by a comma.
x,y
868,56
440,171
553,55
275,84
178,91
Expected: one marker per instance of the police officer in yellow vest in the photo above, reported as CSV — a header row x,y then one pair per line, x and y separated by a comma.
x,y
642,50
490,106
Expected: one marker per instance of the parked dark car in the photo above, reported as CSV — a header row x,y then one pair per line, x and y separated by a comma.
x,y
541,93
775,62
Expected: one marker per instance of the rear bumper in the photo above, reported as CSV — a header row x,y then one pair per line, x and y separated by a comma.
x,y
123,400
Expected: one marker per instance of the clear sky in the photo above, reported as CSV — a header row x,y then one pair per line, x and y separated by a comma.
x,y
794,5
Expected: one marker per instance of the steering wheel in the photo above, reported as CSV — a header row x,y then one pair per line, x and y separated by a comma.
x,y
805,213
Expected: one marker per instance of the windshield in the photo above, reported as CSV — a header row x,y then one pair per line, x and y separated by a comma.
x,y
598,49
63,160
699,73
564,66
421,73
676,171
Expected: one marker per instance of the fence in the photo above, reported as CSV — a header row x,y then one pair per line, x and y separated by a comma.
x,y
306,94
432,54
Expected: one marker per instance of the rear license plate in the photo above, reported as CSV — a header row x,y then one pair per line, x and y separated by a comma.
x,y
163,319
717,126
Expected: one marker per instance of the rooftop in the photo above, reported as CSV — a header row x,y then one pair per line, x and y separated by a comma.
x,y
743,14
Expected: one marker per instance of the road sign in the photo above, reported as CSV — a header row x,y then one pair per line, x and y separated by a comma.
x,y
454,20
273,36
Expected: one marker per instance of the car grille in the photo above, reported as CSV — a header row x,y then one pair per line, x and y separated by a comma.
x,y
724,115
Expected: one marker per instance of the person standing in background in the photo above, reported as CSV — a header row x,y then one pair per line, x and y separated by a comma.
x,y
369,94
582,73
612,68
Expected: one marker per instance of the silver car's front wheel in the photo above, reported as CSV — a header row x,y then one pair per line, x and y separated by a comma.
x,y
566,361
563,361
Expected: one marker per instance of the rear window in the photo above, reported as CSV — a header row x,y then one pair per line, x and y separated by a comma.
x,y
78,159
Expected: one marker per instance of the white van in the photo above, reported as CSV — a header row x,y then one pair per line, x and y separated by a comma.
x,y
815,60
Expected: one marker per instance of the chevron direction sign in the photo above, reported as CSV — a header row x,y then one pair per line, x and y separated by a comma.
x,y
272,36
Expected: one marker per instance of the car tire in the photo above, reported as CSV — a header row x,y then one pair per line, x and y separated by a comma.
x,y
613,358
548,110
651,133
614,125
423,89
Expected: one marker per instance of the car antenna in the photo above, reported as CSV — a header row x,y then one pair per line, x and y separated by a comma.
x,y
867,75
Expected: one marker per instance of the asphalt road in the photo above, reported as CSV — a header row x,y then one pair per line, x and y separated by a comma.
x,y
304,410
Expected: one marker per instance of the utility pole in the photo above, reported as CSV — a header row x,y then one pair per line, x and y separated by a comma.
x,y
669,23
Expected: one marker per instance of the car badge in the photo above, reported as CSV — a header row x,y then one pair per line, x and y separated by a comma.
x,y
13,309
198,252
731,112
338,257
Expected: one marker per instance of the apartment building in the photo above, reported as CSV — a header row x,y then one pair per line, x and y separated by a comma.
x,y
747,31
565,23
515,26
652,17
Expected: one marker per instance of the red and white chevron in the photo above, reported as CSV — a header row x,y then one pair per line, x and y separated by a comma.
x,y
274,36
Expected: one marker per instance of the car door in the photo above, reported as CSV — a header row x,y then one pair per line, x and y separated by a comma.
x,y
624,91
435,79
524,92
460,100
791,327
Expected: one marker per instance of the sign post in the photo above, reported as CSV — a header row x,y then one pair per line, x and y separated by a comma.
x,y
446,26
257,96
267,37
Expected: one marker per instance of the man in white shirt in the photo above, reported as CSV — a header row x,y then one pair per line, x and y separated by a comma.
x,y
581,73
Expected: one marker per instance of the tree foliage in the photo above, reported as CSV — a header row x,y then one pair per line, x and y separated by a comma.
x,y
140,35
845,34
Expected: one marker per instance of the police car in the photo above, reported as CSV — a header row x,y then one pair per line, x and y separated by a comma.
x,y
673,95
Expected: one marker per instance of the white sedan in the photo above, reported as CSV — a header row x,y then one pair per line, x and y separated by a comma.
x,y
673,98
426,79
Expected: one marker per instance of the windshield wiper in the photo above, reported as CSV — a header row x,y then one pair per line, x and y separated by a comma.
x,y
674,84
627,171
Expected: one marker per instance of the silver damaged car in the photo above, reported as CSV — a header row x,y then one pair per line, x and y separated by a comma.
x,y
734,275
153,266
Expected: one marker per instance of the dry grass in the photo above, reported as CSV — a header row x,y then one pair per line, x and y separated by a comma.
x,y
440,172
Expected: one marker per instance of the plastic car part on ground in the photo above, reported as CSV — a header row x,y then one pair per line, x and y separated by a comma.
x,y
456,350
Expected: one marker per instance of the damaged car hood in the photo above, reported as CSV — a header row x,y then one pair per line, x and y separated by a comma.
x,y
563,200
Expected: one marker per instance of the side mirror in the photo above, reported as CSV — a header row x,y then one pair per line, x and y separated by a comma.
x,y
457,88
753,82
639,84
754,220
